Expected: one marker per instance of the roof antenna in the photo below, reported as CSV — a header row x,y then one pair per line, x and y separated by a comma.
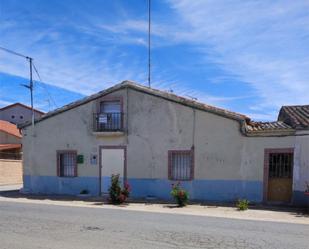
x,y
149,30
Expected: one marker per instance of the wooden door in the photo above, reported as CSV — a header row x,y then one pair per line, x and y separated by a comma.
x,y
280,177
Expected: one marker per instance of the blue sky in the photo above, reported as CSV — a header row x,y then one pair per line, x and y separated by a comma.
x,y
247,56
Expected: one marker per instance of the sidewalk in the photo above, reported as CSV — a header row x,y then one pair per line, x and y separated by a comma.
x,y
286,215
10,187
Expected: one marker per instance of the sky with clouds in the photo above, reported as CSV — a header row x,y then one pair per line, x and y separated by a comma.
x,y
247,56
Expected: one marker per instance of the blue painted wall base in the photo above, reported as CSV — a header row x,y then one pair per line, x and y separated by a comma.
x,y
204,190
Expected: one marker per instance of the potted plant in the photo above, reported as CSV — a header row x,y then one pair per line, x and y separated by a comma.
x,y
180,195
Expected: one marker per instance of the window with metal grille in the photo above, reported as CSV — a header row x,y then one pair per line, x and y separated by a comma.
x,y
280,165
67,165
180,165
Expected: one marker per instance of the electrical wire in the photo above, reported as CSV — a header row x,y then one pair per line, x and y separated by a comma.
x,y
43,85
15,53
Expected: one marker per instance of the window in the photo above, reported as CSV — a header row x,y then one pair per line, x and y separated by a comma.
x,y
280,165
110,116
21,116
67,165
13,116
180,165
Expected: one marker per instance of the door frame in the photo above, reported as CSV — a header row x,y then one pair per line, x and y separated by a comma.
x,y
100,162
266,168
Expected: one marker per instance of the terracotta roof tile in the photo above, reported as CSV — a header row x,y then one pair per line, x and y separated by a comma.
x,y
267,126
296,116
9,146
9,128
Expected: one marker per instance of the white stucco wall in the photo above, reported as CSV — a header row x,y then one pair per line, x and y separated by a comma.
x,y
155,126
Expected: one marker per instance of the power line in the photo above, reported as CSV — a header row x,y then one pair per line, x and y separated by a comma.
x,y
30,86
43,85
15,53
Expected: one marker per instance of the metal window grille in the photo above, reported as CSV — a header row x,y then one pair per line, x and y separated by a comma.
x,y
280,165
181,165
67,164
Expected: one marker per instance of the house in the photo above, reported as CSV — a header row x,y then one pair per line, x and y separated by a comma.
x,y
10,141
153,138
18,113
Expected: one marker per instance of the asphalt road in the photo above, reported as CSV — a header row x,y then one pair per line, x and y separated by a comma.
x,y
25,226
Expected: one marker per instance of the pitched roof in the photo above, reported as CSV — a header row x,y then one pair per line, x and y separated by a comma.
x,y
296,116
9,128
247,126
9,146
162,94
20,104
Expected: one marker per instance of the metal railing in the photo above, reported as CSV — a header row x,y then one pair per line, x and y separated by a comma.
x,y
108,122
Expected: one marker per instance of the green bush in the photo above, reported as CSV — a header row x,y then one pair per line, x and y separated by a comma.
x,y
242,204
180,195
117,195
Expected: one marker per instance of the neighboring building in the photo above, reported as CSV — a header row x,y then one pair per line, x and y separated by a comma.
x,y
10,141
154,138
18,113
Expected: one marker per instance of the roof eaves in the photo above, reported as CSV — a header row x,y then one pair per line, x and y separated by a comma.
x,y
165,95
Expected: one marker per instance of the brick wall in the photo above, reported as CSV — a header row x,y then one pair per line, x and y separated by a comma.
x,y
10,172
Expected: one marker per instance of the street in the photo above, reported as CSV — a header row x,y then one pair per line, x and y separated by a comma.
x,y
50,226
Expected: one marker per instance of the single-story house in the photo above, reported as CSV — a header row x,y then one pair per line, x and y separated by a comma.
x,y
154,138
10,141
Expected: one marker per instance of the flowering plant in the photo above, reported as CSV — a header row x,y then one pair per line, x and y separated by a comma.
x,y
180,195
118,195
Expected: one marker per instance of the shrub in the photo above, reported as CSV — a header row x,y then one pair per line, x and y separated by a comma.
x,y
180,195
242,204
118,195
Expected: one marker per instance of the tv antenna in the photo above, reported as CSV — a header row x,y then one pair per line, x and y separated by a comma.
x,y
149,43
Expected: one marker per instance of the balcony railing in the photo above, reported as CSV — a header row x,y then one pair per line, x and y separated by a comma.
x,y
105,122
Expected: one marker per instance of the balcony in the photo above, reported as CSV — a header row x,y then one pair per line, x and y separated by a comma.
x,y
108,124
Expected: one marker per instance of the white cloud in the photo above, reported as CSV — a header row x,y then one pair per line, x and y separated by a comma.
x,y
263,43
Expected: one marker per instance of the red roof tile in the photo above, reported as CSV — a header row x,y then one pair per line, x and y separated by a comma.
x,y
9,128
9,146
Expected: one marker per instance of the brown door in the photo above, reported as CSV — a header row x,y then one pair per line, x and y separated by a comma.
x,y
280,177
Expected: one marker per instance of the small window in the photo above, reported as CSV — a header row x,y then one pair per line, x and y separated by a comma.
x,y
67,165
21,117
13,116
181,165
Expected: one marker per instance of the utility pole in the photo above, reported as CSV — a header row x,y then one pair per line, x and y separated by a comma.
x,y
31,94
30,86
149,43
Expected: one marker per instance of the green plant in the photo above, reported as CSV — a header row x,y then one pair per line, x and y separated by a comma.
x,y
242,204
180,195
117,194
84,192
